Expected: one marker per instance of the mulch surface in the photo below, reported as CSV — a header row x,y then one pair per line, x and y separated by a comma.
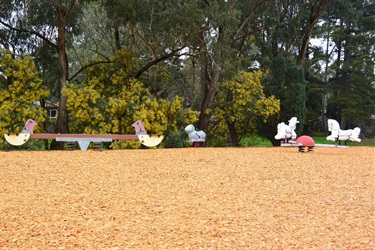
x,y
190,198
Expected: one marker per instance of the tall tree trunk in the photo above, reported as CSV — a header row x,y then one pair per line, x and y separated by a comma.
x,y
209,82
62,125
325,93
209,87
205,83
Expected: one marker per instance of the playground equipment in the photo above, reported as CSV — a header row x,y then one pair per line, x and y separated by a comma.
x,y
196,137
83,140
286,132
24,136
305,141
302,142
338,135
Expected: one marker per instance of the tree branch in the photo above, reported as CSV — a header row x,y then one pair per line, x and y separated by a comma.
x,y
70,7
31,32
246,20
157,60
86,67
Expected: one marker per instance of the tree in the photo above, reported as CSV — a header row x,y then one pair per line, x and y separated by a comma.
x,y
286,81
21,90
47,21
284,43
348,61
153,33
240,104
208,34
111,99
222,38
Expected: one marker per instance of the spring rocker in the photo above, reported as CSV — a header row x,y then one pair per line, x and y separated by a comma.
x,y
83,140
338,135
287,136
198,138
286,132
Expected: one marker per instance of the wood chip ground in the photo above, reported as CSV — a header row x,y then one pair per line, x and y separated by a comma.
x,y
190,198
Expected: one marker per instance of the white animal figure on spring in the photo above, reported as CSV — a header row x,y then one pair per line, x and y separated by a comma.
x,y
195,136
286,132
342,135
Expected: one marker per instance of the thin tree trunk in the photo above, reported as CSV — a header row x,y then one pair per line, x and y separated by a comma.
x,y
117,37
205,83
325,94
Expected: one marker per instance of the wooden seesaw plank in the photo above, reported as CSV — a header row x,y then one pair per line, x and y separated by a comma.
x,y
85,139
110,136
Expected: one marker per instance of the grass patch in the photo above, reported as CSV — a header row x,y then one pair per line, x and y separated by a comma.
x,y
365,142
255,141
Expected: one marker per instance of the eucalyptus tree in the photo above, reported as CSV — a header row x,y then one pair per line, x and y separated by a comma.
x,y
212,36
45,21
156,32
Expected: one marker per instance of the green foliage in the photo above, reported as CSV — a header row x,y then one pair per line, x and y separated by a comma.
x,y
20,90
314,107
110,101
240,103
294,101
352,89
347,62
286,81
176,139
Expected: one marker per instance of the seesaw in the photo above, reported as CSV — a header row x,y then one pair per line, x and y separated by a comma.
x,y
305,141
288,138
83,140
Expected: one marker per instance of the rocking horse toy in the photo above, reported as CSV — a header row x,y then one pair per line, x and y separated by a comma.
x,y
286,132
338,135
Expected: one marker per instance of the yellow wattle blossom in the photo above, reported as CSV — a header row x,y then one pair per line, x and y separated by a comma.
x,y
241,102
19,99
110,101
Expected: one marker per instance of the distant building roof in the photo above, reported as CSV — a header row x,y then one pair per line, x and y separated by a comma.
x,y
50,105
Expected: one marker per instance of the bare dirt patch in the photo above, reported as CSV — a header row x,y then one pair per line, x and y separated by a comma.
x,y
192,198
